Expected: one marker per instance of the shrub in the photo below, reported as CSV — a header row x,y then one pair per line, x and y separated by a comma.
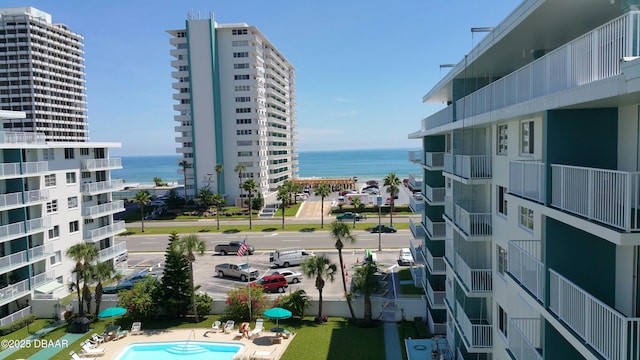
x,y
296,302
238,303
17,325
141,302
203,304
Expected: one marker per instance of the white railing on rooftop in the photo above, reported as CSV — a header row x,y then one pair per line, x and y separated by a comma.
x,y
610,333
13,260
476,280
103,186
526,267
15,316
434,159
473,224
112,251
22,138
435,263
525,338
14,290
435,230
527,179
469,166
96,164
434,195
477,334
106,208
105,231
608,196
594,56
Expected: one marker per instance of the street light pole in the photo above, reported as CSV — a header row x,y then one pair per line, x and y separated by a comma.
x,y
379,200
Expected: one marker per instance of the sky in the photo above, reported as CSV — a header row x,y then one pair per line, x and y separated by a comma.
x,y
362,67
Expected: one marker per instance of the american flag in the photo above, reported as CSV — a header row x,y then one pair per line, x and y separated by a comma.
x,y
243,247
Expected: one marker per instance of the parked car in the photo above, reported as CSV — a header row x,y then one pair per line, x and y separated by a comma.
x,y
241,271
372,190
383,229
373,186
405,257
232,248
348,215
127,284
157,202
122,257
293,277
371,182
273,283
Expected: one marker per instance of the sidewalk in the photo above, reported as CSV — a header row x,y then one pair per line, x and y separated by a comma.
x,y
37,335
392,347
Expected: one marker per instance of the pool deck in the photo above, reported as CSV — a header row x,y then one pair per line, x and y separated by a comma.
x,y
261,343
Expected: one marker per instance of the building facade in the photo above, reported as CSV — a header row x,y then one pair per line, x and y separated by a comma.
x,y
235,107
530,229
42,74
53,195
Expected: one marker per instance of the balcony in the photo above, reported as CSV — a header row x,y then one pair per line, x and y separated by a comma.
x,y
527,180
474,224
40,252
434,196
14,291
11,170
435,264
15,316
417,253
112,251
42,279
525,266
18,199
104,232
101,164
97,211
416,229
608,332
468,167
434,160
477,333
91,189
417,206
525,338
22,138
436,230
415,156
13,261
436,297
607,196
17,229
474,279
434,327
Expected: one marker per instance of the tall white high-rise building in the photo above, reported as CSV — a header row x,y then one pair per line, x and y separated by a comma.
x,y
234,107
42,74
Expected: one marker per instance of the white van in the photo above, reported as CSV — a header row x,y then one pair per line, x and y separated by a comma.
x,y
288,257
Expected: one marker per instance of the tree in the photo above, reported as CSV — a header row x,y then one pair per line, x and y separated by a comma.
x,y
295,189
322,269
239,299
83,254
290,189
142,198
365,281
218,201
356,202
175,289
184,165
103,271
340,232
141,302
392,183
323,191
250,187
219,170
240,170
282,197
157,181
296,302
187,246
205,197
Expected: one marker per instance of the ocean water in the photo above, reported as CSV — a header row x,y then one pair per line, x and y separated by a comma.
x,y
364,164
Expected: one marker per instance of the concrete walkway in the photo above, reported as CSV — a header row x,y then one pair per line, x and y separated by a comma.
x,y
6,354
392,347
55,346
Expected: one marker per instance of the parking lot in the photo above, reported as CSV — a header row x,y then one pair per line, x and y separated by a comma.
x,y
210,282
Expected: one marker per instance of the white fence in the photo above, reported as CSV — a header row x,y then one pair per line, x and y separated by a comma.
x,y
15,316
527,179
477,335
524,338
526,267
469,166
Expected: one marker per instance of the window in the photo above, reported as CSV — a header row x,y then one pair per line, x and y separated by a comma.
x,y
71,178
86,175
69,153
74,226
88,221
241,77
241,66
501,138
240,43
244,143
50,180
502,200
245,153
47,154
239,32
52,206
84,151
243,121
243,87
243,54
243,110
72,202
526,137
55,258
526,217
503,320
243,132
502,260
54,232
243,98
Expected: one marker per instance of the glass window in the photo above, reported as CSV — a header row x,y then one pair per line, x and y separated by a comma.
x,y
502,260
74,226
50,180
72,202
69,153
52,206
527,138
502,200
503,320
501,140
71,178
54,232
55,258
526,217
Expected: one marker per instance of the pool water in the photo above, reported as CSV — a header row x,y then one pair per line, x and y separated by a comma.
x,y
180,350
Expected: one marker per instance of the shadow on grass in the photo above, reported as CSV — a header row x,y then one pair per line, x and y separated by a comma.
x,y
204,230
231,231
307,230
271,229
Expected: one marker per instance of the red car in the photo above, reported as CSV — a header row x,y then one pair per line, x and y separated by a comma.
x,y
273,283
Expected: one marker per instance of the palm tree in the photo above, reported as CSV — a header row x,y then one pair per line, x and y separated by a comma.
x,y
205,197
219,170
103,271
184,165
295,189
142,197
83,254
217,201
340,233
323,191
76,253
392,184
187,246
250,187
283,197
240,170
157,181
322,269
356,202
365,281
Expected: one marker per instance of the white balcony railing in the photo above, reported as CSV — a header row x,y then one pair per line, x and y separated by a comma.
x,y
43,278
10,137
525,338
607,196
14,290
103,209
469,166
608,332
415,205
105,231
110,252
434,195
448,207
434,160
416,229
102,186
18,198
15,316
28,168
473,224
415,156
477,333
435,230
41,251
526,267
435,328
527,179
436,297
98,164
476,280
436,264
416,252
14,260
18,228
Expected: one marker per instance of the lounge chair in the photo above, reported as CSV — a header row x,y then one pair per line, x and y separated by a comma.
x,y
228,327
89,344
258,329
136,328
75,356
121,334
215,327
98,339
88,350
263,355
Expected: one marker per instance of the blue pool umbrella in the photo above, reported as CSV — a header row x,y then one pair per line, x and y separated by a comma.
x,y
112,312
277,313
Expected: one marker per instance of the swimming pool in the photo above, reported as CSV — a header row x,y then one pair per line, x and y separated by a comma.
x,y
180,350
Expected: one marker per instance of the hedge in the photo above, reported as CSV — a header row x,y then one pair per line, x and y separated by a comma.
x,y
17,325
